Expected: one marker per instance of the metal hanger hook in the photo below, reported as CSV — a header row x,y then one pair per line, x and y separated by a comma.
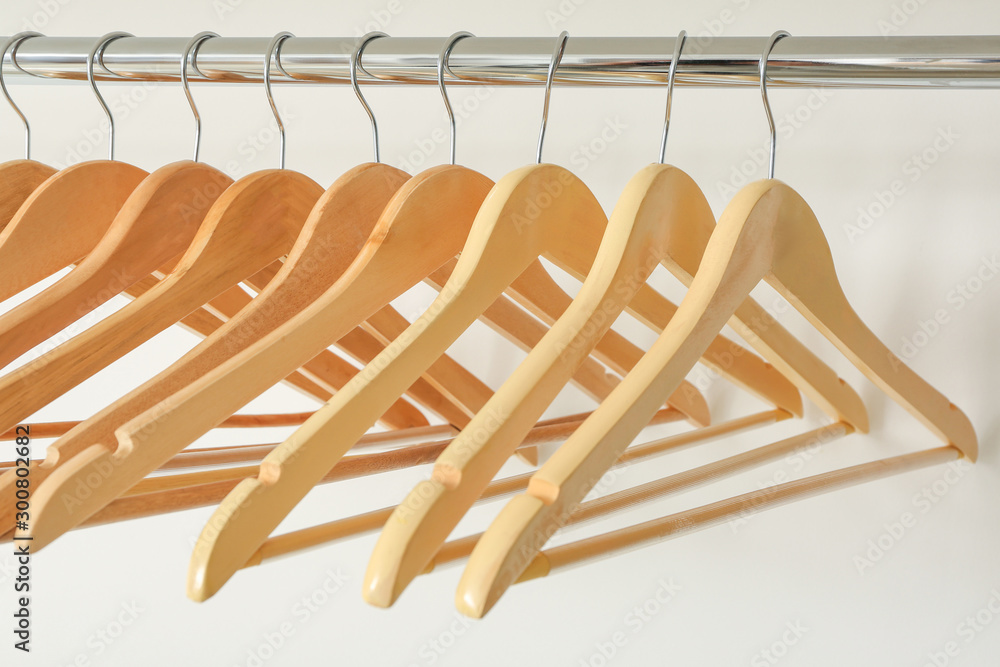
x,y
97,54
190,54
355,64
772,40
273,53
553,65
442,68
11,46
671,75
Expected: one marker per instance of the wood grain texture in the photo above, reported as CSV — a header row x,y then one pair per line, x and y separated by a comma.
x,y
369,282
255,223
622,251
72,210
157,222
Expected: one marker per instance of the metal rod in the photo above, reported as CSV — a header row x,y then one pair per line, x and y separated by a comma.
x,y
856,62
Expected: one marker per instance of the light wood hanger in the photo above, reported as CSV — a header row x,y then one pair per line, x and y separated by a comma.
x,y
154,219
767,232
344,418
651,224
688,521
18,178
169,494
334,531
375,278
24,261
328,240
322,375
380,273
222,239
657,489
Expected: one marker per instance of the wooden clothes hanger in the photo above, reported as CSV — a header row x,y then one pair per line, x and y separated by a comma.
x,y
154,217
414,204
767,232
334,531
95,191
652,223
255,201
327,236
403,448
18,178
251,225
24,261
568,229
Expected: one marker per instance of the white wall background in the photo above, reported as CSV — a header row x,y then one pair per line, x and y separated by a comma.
x,y
933,597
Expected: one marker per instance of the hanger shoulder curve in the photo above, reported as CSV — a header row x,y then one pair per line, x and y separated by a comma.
x,y
522,217
631,247
382,271
767,232
96,191
18,179
252,224
155,224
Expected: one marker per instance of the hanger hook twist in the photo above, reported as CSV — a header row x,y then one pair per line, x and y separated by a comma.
x,y
553,65
273,53
355,65
671,75
190,55
12,44
772,40
441,69
97,55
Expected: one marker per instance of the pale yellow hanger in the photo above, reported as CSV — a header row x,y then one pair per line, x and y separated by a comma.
x,y
660,217
334,531
767,232
406,448
501,245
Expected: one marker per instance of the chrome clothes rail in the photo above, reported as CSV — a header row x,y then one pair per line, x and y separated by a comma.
x,y
855,62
